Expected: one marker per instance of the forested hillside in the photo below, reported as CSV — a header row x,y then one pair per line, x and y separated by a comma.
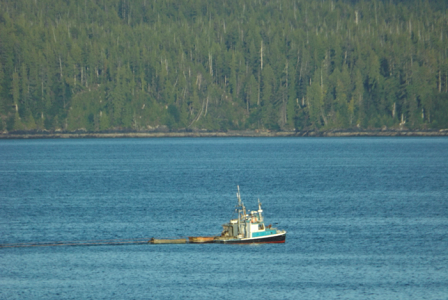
x,y
240,64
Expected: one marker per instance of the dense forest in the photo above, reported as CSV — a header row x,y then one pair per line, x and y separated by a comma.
x,y
142,65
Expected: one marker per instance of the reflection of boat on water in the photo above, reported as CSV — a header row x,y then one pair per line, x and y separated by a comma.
x,y
201,239
249,228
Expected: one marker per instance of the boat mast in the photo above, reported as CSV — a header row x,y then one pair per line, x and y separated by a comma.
x,y
241,212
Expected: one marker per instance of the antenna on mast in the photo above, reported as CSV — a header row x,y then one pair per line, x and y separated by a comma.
x,y
240,203
260,210
238,195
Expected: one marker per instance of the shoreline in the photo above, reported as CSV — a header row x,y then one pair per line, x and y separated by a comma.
x,y
245,133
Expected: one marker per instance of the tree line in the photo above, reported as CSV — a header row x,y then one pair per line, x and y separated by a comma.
x,y
223,65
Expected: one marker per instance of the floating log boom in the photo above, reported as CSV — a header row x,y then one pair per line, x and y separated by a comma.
x,y
167,241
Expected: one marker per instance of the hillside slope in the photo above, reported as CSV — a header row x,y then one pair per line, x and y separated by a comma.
x,y
223,65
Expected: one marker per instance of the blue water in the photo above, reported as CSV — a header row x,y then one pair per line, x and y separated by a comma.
x,y
367,218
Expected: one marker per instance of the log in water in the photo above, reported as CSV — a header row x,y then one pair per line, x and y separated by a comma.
x,y
167,241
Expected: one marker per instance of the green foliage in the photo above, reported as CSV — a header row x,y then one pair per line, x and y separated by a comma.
x,y
278,65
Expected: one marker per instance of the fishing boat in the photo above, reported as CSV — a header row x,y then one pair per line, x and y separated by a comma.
x,y
249,227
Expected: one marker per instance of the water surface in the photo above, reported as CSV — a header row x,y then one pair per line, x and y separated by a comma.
x,y
367,218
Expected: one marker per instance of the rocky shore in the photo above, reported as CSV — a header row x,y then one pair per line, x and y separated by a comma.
x,y
205,133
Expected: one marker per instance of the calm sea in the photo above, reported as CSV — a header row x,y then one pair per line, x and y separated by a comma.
x,y
367,218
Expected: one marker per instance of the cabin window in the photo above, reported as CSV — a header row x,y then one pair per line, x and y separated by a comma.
x,y
260,227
